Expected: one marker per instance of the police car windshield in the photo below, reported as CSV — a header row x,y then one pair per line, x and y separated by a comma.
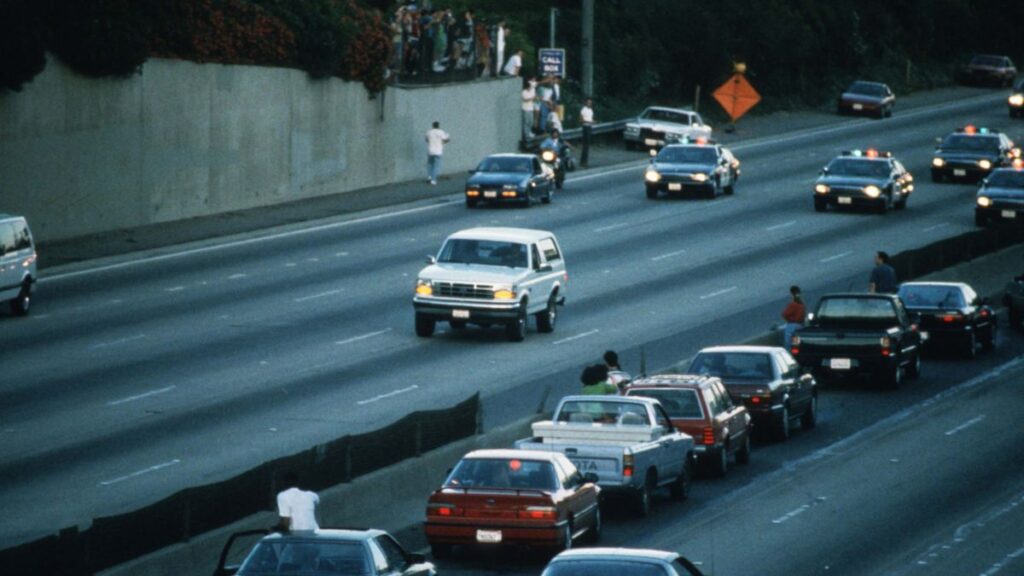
x,y
971,142
501,473
487,252
859,167
687,155
1007,179
866,88
666,116
504,165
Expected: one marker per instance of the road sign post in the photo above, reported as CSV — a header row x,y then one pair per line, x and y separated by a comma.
x,y
737,96
551,62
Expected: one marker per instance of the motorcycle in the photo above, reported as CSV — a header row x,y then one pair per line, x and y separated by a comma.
x,y
559,163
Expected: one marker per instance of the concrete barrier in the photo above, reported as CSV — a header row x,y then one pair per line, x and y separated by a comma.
x,y
180,140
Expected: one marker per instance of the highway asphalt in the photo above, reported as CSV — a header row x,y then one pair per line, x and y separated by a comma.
x,y
138,378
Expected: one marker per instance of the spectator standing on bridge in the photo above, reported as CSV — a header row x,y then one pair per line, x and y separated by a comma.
x,y
483,50
529,94
587,124
794,314
436,139
595,381
501,33
514,64
883,277
296,508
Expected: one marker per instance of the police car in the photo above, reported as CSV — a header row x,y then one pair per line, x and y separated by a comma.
x,y
1001,196
700,167
863,179
971,153
1016,100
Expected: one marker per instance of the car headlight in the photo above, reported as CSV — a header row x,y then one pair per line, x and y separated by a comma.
x,y
821,188
984,164
873,191
1017,100
504,293
984,201
700,177
632,129
424,288
548,156
938,162
652,176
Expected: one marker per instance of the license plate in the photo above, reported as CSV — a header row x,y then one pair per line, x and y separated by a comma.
x,y
845,200
858,106
675,186
839,363
650,142
463,314
488,536
1009,214
490,194
959,172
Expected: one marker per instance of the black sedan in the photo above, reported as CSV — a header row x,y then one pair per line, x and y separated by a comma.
x,y
1001,196
702,168
989,69
951,313
971,153
862,97
515,178
868,179
1015,102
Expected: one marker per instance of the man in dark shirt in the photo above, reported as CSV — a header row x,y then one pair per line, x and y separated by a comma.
x,y
883,276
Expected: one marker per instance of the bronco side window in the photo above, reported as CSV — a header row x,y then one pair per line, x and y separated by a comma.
x,y
536,257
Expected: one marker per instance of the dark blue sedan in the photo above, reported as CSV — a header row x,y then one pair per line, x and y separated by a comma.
x,y
515,178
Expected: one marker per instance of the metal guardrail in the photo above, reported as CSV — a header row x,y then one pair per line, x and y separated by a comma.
x,y
577,133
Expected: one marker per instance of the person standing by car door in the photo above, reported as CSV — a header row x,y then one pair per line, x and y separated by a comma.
x,y
794,314
436,139
296,508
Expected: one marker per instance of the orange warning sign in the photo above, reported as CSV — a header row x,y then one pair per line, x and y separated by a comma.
x,y
737,96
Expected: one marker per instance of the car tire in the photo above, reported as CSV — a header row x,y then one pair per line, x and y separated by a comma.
x,y
22,303
680,489
809,419
728,190
980,220
914,369
720,465
820,205
895,377
900,204
594,534
652,193
642,505
881,113
970,346
781,426
425,326
441,551
989,343
743,454
547,318
516,330
883,206
546,199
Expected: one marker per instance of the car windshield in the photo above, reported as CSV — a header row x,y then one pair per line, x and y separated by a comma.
x,y
855,309
678,402
665,116
925,296
866,88
602,567
487,252
993,61
1007,179
687,155
861,167
754,366
971,142
306,558
505,164
605,412
503,474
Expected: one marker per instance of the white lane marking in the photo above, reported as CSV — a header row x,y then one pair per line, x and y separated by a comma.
x,y
718,293
140,396
612,227
998,566
118,341
341,254
154,468
668,255
935,227
380,397
363,337
40,316
176,289
965,425
792,514
237,276
781,226
320,295
577,337
835,257
966,531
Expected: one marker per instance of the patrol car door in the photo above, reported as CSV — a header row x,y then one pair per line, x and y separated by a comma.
x,y
236,549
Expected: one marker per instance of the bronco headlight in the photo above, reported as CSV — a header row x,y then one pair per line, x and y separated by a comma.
x,y
984,201
424,288
652,176
872,191
1017,100
548,156
938,162
984,164
700,177
504,293
821,188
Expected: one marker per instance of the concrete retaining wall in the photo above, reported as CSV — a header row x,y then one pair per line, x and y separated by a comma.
x,y
80,155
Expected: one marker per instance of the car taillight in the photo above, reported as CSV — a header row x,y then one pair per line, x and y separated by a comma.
x,y
794,345
627,465
755,400
954,317
984,313
708,438
539,513
441,509
885,343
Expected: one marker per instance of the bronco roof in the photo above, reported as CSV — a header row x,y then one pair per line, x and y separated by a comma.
x,y
524,235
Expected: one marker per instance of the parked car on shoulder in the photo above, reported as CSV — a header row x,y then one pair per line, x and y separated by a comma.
x,y
513,497
862,97
863,179
620,562
701,407
989,69
487,276
17,264
699,167
325,551
1001,196
657,126
951,313
767,381
511,179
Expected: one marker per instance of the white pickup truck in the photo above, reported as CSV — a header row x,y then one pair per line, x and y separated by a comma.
x,y
629,442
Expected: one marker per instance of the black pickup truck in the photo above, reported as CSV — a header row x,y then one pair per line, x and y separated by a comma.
x,y
860,334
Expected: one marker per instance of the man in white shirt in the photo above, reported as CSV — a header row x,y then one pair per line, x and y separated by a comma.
x,y
296,508
514,65
587,123
436,139
529,94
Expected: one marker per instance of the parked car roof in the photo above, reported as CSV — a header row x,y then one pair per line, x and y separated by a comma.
x,y
499,233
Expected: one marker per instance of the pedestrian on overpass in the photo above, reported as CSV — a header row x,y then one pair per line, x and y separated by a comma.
x,y
296,508
883,277
436,139
587,123
794,314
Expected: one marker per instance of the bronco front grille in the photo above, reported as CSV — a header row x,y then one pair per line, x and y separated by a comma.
x,y
457,290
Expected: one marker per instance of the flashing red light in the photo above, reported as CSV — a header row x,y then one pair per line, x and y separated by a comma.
x,y
970,129
794,351
514,465
871,153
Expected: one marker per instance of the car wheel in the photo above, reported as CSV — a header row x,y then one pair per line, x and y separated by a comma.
x,y
652,193
546,199
728,190
820,205
22,303
810,417
980,220
782,426
441,551
594,534
424,326
895,378
720,465
881,113
989,343
900,204
680,489
914,369
643,499
883,206
516,331
743,454
970,346
546,319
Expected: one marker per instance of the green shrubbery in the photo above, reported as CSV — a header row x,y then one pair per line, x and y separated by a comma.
x,y
22,43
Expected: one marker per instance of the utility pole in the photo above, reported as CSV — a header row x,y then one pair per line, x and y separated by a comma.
x,y
554,14
588,48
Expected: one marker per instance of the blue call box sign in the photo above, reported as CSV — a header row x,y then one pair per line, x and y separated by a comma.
x,y
552,62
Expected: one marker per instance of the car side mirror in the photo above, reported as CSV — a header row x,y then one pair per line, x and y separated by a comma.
x,y
545,268
590,477
431,260
416,558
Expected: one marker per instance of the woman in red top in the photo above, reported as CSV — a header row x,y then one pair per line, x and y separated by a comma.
x,y
794,315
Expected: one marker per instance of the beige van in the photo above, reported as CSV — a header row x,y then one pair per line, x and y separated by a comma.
x,y
17,263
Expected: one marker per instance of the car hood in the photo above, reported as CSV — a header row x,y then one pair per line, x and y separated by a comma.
x,y
863,98
473,273
682,168
497,178
1002,193
852,181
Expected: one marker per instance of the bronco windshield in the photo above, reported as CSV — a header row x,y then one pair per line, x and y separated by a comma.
x,y
486,252
300,557
505,164
687,155
861,167
502,473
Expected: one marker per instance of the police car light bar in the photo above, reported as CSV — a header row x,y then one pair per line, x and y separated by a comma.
x,y
869,153
972,129
699,140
